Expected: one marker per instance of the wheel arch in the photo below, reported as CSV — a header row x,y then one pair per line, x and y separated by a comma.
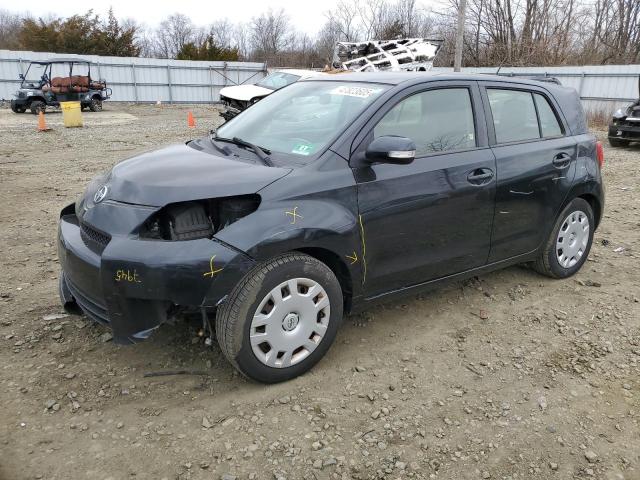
x,y
595,206
591,192
338,267
35,99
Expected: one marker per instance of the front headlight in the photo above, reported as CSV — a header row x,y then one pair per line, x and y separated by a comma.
x,y
29,94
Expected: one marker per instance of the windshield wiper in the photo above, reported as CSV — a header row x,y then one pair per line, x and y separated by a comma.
x,y
212,139
261,153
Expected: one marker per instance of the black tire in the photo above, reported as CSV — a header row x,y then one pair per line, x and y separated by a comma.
x,y
616,142
95,105
17,109
37,106
233,319
548,263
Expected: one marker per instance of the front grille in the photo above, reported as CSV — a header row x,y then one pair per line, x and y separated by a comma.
x,y
92,238
92,308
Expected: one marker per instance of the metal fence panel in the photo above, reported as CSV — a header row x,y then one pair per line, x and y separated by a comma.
x,y
144,79
135,79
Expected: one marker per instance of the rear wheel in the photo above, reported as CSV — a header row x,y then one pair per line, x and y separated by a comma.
x,y
570,241
281,318
96,105
37,106
616,142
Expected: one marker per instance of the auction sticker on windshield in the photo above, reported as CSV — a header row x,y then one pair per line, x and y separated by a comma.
x,y
360,92
302,149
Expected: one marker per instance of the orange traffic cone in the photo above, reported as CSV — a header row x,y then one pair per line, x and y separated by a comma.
x,y
42,125
191,122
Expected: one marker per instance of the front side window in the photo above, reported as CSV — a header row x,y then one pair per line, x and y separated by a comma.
x,y
436,120
549,125
514,115
277,80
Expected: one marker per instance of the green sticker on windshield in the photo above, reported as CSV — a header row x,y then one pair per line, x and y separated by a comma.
x,y
302,149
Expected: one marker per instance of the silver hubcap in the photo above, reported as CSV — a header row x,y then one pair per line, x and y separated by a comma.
x,y
290,322
572,239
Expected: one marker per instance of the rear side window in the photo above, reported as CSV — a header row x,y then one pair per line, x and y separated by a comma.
x,y
436,120
549,125
514,115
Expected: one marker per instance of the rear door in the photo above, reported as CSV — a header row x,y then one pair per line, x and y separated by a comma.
x,y
433,217
535,161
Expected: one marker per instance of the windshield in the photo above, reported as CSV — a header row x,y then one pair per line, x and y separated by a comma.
x,y
34,74
278,80
301,119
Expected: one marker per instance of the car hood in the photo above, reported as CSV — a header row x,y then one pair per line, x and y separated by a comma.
x,y
181,173
244,93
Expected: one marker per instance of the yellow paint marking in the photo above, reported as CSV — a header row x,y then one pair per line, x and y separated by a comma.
x,y
212,270
127,275
364,250
294,215
353,258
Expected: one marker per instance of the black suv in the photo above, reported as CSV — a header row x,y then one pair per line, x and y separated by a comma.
x,y
327,196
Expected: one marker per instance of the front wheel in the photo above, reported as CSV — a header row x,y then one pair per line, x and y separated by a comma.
x,y
570,241
281,318
18,109
96,105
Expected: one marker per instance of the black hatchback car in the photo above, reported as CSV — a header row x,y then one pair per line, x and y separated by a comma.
x,y
327,196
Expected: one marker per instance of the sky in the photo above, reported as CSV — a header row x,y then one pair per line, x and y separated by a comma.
x,y
306,15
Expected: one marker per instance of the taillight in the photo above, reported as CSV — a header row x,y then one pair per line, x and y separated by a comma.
x,y
600,153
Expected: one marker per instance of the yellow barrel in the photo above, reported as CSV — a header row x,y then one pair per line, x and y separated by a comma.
x,y
71,114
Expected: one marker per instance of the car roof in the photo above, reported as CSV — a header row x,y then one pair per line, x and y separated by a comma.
x,y
397,78
567,98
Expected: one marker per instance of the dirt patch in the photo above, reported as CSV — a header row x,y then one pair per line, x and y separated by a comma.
x,y
507,376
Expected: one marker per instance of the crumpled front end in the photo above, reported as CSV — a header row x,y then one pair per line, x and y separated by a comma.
x,y
625,125
132,285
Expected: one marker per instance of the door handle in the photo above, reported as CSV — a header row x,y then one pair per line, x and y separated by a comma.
x,y
480,176
562,160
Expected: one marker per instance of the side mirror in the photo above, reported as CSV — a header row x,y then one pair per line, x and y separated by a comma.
x,y
21,76
391,149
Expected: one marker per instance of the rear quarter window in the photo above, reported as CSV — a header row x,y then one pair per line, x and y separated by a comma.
x,y
549,125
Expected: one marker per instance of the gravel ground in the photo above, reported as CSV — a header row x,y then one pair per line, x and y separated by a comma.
x,y
507,376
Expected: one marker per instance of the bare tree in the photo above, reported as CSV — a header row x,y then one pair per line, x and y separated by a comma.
x,y
271,33
345,19
172,34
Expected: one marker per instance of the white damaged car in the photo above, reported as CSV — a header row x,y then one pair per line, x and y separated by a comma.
x,y
239,97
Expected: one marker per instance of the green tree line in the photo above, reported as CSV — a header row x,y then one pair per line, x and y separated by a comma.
x,y
89,34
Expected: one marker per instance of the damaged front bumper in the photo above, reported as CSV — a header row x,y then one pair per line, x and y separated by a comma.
x,y
628,131
131,285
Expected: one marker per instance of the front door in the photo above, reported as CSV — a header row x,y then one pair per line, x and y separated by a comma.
x,y
433,217
536,164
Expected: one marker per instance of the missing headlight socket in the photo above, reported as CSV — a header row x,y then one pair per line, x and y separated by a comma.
x,y
198,219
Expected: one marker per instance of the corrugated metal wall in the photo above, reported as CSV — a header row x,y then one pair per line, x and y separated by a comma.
x,y
601,87
144,79
148,79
